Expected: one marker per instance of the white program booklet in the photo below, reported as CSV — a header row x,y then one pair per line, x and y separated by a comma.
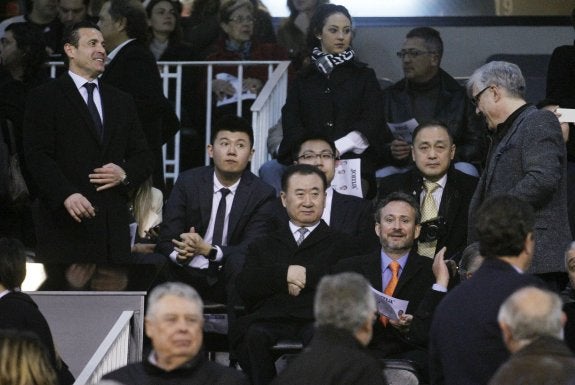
x,y
567,115
347,178
245,95
403,130
388,306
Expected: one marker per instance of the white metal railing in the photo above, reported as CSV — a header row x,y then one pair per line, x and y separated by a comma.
x,y
112,353
266,109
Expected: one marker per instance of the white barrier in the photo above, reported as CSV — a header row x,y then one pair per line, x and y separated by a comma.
x,y
112,353
266,109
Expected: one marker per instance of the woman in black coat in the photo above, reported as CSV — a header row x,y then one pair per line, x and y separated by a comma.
x,y
18,311
335,95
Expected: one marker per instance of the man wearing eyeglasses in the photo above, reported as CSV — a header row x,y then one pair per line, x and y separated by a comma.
x,y
527,159
343,213
429,93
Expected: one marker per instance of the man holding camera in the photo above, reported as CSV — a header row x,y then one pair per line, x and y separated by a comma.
x,y
443,192
398,271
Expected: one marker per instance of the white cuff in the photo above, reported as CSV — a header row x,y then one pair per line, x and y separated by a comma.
x,y
438,287
354,141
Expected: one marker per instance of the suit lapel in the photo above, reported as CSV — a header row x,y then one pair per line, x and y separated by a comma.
x,y
206,192
410,272
450,199
317,235
339,201
109,113
71,92
240,202
372,270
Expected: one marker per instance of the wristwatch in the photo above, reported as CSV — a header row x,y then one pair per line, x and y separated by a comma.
x,y
125,180
212,254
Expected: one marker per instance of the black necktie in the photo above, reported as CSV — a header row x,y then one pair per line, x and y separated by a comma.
x,y
93,109
220,218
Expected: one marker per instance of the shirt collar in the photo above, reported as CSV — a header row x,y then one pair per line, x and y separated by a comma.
x,y
502,128
218,185
79,81
115,51
386,260
293,227
441,182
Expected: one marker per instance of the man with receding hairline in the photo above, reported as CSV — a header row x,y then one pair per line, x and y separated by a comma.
x,y
532,323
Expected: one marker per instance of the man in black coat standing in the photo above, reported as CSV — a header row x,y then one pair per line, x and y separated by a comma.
x,y
84,147
132,68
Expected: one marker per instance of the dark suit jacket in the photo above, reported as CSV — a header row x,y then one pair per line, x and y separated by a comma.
x,y
190,204
414,285
350,215
454,205
334,356
61,149
466,346
262,283
530,163
134,70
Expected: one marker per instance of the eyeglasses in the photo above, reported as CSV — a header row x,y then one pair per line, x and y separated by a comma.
x,y
310,156
412,53
475,99
242,20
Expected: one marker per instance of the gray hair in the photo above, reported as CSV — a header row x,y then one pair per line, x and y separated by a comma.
x,y
531,312
569,248
344,301
177,289
498,73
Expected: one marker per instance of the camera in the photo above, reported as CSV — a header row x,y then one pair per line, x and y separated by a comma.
x,y
433,229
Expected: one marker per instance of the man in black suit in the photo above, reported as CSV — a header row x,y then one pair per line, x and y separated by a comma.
x,y
465,343
282,271
418,280
84,145
433,150
189,232
344,213
132,68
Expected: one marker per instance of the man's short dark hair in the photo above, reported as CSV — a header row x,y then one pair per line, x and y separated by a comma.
x,y
12,263
297,147
431,38
232,123
398,196
72,36
503,223
134,13
302,169
428,124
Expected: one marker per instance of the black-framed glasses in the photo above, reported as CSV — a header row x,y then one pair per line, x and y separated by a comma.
x,y
475,99
310,156
412,53
242,19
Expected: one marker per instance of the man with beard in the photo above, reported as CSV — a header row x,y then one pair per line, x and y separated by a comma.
x,y
400,272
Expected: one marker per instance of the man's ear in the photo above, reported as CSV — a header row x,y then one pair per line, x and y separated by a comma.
x,y
507,335
283,198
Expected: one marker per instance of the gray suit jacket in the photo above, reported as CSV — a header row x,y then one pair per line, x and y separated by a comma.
x,y
530,163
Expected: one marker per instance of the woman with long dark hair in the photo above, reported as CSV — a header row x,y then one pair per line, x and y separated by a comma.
x,y
335,95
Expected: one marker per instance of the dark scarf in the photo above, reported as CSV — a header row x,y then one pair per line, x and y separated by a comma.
x,y
325,62
243,50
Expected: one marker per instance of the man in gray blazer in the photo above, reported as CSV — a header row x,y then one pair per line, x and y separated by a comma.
x,y
527,159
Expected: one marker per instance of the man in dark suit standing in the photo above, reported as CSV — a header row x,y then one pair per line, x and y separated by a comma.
x,y
84,146
344,213
465,340
398,271
132,68
282,270
214,212
451,190
527,159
